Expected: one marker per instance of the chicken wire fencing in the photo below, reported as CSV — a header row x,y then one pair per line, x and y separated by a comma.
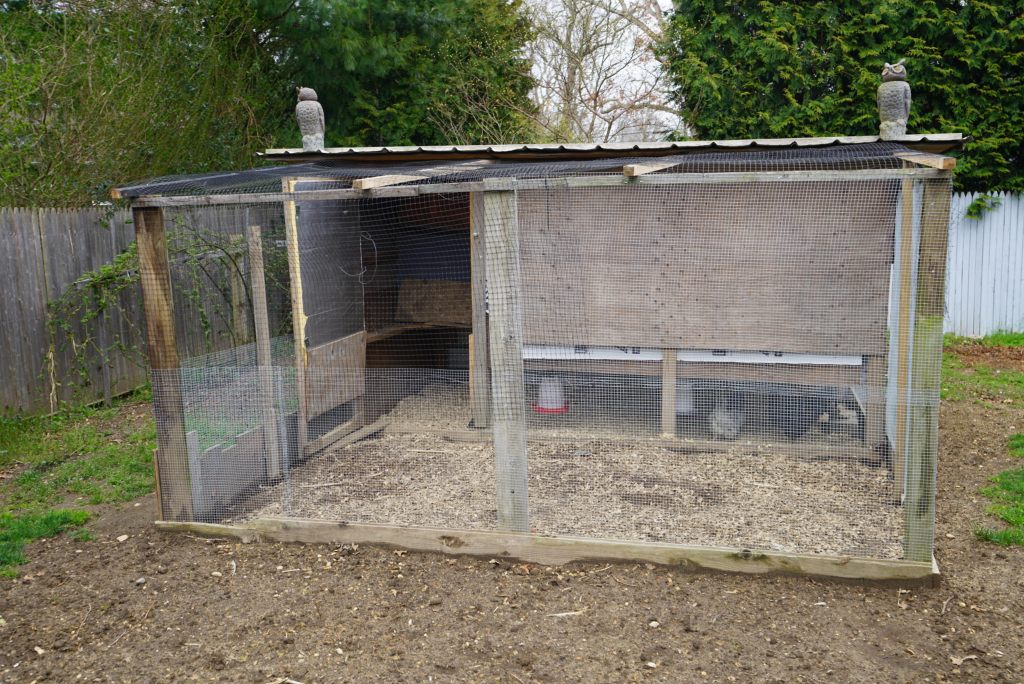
x,y
736,355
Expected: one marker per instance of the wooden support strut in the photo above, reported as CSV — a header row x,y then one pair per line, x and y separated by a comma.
x,y
264,360
175,484
298,310
508,392
669,365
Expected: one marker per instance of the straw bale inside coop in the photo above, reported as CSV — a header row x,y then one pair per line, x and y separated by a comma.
x,y
723,354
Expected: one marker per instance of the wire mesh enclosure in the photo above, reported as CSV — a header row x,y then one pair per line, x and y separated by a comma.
x,y
714,357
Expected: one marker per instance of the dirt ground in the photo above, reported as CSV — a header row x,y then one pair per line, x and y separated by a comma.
x,y
160,607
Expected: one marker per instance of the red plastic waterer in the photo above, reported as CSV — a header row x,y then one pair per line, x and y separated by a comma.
x,y
551,397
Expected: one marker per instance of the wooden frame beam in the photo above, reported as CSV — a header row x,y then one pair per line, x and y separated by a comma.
x,y
384,181
634,170
541,184
934,161
536,548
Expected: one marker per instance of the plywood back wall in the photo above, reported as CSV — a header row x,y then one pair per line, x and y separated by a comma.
x,y
797,267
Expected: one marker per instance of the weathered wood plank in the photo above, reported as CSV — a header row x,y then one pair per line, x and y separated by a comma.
x,y
335,373
345,434
560,550
508,392
161,345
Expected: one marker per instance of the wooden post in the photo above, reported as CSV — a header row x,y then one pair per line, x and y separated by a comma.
x,y
239,316
508,393
479,366
157,300
907,232
264,360
298,313
874,402
926,369
669,364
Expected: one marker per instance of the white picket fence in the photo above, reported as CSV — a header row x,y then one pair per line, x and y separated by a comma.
x,y
985,268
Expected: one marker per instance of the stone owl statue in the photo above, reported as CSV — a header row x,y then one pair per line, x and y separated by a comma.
x,y
893,101
310,116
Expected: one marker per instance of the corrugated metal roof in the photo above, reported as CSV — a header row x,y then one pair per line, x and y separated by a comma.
x,y
930,142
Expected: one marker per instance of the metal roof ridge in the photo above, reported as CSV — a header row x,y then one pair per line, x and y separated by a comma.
x,y
619,146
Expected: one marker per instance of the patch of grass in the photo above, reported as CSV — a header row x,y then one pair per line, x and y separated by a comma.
x,y
1007,495
977,381
93,455
18,530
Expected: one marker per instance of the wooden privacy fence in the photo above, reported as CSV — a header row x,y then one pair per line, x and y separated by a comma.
x,y
85,355
985,271
43,252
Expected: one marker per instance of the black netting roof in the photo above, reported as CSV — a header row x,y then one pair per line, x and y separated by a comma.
x,y
837,157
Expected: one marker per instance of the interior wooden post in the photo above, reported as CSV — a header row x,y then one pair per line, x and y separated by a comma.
x,y
298,313
264,359
874,402
926,370
669,364
175,481
908,225
239,305
508,392
479,366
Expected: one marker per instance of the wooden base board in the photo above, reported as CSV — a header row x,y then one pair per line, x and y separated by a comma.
x,y
558,550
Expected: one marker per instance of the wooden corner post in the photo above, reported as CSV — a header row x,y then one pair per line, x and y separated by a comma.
x,y
926,370
508,392
175,480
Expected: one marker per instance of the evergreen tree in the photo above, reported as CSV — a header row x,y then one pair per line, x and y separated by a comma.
x,y
752,68
400,72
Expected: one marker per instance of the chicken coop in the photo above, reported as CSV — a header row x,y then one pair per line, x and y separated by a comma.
x,y
714,354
